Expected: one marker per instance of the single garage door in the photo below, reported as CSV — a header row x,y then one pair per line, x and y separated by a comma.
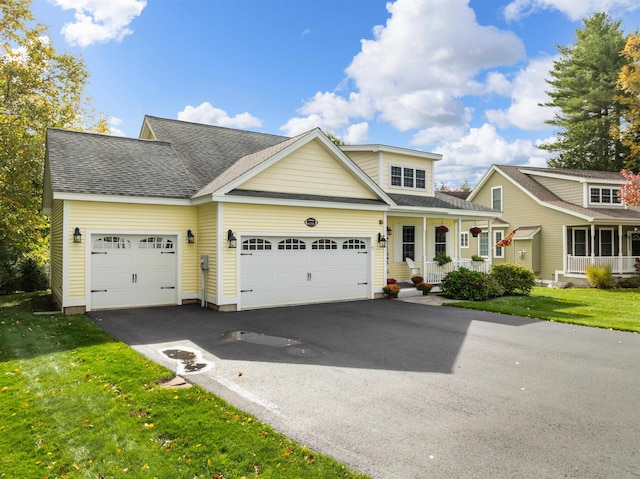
x,y
132,270
281,271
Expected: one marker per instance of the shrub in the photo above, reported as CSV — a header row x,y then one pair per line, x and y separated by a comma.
x,y
631,282
514,278
494,288
465,284
600,276
33,276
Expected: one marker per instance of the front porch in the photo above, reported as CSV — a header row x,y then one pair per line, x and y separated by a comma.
x,y
621,265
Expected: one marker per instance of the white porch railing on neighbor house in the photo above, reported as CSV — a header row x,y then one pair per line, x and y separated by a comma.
x,y
433,272
618,264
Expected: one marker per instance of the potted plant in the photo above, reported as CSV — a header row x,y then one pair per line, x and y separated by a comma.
x,y
442,259
442,229
391,290
416,279
477,258
391,281
475,231
424,287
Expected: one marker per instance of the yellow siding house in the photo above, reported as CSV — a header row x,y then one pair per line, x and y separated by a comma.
x,y
236,219
556,222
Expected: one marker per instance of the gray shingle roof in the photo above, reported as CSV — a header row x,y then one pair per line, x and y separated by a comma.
x,y
440,200
529,183
298,196
208,150
101,164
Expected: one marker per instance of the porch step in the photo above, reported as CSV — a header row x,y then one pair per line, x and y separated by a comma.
x,y
409,291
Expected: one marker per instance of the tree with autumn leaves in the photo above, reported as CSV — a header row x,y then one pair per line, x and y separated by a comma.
x,y
39,88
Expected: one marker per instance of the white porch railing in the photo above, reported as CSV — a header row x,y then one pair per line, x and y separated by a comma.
x,y
618,264
433,272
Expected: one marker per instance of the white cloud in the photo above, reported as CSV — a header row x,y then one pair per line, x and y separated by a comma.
x,y
329,112
527,93
469,157
574,9
99,20
357,134
208,114
415,70
113,124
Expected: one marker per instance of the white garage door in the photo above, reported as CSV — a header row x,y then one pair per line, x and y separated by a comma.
x,y
281,271
132,270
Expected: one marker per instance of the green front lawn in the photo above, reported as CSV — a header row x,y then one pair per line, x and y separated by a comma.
x,y
76,403
601,308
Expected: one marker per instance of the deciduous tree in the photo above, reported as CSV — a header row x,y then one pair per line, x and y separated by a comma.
x,y
629,83
39,88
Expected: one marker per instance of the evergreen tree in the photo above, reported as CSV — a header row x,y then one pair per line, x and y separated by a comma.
x,y
586,93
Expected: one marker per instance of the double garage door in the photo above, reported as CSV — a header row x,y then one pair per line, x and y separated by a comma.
x,y
277,271
133,270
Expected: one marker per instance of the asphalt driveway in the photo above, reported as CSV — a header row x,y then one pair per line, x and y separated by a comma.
x,y
402,390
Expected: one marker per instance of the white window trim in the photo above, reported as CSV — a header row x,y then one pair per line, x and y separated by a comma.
x,y
498,251
612,194
488,245
415,170
397,242
586,241
464,244
613,241
501,197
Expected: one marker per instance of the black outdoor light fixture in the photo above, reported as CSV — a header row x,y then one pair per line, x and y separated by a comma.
x,y
190,237
77,236
233,242
382,241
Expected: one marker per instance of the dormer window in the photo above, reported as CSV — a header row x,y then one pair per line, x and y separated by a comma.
x,y
408,177
604,196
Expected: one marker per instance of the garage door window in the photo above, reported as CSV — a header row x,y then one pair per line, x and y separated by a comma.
x,y
292,243
324,244
354,244
111,242
155,242
256,244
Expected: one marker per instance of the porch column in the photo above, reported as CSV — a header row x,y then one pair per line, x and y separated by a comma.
x,y
565,253
424,246
620,255
457,240
593,242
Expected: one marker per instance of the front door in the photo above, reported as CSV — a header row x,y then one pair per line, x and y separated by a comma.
x,y
634,244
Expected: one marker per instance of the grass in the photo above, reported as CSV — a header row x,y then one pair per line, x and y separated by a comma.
x,y
600,308
76,403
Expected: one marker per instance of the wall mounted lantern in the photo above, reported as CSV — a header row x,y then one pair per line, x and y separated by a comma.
x,y
233,242
382,241
77,236
190,238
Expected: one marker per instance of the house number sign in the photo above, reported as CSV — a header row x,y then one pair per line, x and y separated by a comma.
x,y
311,222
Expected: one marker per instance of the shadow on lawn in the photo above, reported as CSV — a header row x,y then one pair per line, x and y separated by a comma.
x,y
374,334
25,335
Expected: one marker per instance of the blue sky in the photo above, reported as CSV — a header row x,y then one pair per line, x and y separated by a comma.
x,y
458,77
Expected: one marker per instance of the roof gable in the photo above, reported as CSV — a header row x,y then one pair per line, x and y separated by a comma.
x,y
253,171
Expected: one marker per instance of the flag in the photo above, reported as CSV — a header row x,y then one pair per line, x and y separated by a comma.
x,y
506,241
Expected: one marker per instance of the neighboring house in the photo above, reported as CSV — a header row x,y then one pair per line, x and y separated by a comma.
x,y
564,220
237,219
